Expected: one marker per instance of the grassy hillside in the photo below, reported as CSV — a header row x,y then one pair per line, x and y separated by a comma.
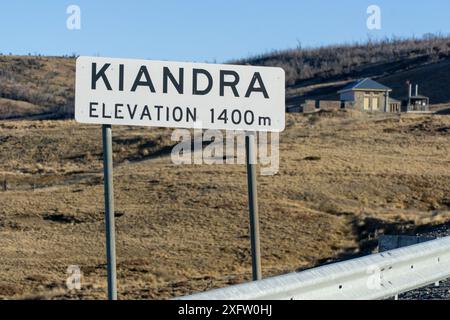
x,y
43,87
319,73
36,86
344,179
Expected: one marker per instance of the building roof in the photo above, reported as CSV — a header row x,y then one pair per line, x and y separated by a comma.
x,y
419,97
394,100
365,84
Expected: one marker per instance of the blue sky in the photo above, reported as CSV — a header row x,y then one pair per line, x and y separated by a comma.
x,y
206,31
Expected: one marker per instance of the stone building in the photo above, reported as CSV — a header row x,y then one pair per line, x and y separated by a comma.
x,y
395,106
369,95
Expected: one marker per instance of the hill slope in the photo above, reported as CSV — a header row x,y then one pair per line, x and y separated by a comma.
x,y
43,87
31,86
343,180
320,73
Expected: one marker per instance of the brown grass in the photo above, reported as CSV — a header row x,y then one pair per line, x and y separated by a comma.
x,y
344,179
311,73
46,82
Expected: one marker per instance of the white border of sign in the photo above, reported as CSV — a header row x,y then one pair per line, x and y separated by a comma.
x,y
179,94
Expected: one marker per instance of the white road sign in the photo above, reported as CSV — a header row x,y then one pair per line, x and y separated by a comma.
x,y
179,95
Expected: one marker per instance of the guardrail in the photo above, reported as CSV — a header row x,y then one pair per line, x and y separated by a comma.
x,y
377,276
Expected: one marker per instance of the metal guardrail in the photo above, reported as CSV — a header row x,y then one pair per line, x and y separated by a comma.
x,y
377,276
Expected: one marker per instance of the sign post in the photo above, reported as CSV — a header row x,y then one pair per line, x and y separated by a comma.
x,y
250,141
109,211
111,91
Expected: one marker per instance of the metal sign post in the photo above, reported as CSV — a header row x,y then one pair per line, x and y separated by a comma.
x,y
250,141
109,211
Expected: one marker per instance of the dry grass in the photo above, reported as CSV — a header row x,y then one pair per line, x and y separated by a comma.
x,y
344,178
311,73
46,82
305,66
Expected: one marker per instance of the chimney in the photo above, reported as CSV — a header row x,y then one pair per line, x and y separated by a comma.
x,y
410,90
417,90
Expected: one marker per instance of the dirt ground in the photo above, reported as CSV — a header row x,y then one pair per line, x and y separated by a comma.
x,y
344,179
